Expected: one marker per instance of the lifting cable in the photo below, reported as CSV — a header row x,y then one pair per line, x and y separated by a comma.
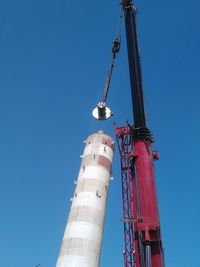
x,y
115,51
101,112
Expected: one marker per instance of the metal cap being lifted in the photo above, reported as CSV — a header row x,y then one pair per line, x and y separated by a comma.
x,y
101,112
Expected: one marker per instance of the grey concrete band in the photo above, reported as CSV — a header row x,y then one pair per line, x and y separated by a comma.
x,y
79,246
87,214
91,185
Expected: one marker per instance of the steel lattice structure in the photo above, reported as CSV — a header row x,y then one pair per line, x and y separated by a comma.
x,y
125,146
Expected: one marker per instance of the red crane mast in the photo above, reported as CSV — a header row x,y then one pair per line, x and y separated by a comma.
x,y
142,234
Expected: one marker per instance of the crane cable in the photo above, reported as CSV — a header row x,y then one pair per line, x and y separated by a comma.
x,y
115,51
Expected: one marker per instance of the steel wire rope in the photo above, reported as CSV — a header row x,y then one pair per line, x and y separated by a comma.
x,y
115,50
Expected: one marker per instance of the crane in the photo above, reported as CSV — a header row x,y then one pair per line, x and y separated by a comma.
x,y
142,234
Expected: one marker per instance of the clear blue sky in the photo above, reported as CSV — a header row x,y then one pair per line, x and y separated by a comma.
x,y
54,57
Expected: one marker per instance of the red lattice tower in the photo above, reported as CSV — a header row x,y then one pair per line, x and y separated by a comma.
x,y
125,146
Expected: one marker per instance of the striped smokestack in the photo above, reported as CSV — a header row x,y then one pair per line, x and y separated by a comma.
x,y
81,245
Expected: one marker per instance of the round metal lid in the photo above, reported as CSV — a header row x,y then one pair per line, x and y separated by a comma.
x,y
101,112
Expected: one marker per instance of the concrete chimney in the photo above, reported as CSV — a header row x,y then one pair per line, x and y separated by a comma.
x,y
81,245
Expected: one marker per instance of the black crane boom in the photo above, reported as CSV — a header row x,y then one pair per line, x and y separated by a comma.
x,y
134,65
